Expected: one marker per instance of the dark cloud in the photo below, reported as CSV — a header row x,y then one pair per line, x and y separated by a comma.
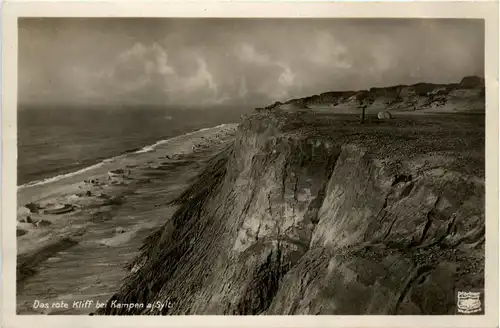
x,y
202,62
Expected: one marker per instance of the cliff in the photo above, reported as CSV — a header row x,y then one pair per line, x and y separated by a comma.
x,y
316,214
467,95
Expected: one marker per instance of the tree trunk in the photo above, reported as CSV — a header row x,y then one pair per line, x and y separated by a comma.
x,y
363,115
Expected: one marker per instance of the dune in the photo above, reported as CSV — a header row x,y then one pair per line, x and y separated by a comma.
x,y
465,96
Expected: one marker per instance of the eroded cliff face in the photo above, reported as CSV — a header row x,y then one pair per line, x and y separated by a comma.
x,y
293,219
388,243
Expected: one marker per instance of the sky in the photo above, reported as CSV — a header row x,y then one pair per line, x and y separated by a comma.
x,y
195,62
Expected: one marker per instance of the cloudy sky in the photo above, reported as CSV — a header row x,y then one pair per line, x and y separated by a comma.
x,y
213,62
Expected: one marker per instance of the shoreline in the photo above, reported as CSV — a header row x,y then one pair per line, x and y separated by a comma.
x,y
75,234
144,149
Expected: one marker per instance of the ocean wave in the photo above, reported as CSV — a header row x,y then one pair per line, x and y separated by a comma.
x,y
152,147
145,149
62,176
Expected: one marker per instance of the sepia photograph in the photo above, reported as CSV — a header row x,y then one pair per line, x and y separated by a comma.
x,y
243,166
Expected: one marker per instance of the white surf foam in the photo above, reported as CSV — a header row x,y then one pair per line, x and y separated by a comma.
x,y
61,176
152,147
145,149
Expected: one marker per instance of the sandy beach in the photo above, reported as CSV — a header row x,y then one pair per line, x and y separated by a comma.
x,y
77,233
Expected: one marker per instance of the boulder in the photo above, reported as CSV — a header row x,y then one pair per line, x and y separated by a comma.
x,y
20,232
33,207
384,115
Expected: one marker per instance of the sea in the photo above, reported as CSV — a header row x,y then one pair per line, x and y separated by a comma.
x,y
54,141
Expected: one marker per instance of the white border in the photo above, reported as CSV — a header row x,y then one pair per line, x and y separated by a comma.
x,y
439,9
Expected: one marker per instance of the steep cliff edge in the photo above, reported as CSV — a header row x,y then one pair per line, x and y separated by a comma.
x,y
467,95
316,214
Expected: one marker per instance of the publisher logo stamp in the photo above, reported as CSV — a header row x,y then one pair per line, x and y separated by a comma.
x,y
470,302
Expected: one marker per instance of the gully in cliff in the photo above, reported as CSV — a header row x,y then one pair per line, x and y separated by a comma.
x,y
357,186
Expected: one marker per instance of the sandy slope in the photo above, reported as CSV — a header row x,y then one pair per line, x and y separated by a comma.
x,y
79,232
